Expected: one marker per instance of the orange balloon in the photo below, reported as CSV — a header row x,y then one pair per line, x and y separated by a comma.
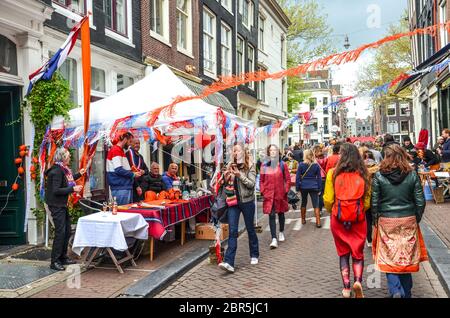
x,y
33,176
15,186
32,168
22,147
22,153
35,160
20,170
18,161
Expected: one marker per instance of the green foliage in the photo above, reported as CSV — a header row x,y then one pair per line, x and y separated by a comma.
x,y
47,100
308,39
390,60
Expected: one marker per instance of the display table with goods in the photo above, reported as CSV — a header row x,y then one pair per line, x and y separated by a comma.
x,y
108,230
161,213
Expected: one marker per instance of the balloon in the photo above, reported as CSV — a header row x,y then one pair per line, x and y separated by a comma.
x,y
22,148
32,168
20,170
15,186
18,161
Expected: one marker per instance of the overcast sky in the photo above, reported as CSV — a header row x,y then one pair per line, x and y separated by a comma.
x,y
364,21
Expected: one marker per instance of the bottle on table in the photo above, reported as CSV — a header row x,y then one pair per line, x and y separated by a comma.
x,y
114,207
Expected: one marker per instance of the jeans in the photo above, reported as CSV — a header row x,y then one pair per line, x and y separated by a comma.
x,y
273,225
321,194
63,230
314,194
122,196
400,284
248,210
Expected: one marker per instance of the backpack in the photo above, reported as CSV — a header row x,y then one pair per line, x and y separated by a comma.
x,y
349,191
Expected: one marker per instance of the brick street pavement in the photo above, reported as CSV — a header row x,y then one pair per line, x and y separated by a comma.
x,y
305,265
438,217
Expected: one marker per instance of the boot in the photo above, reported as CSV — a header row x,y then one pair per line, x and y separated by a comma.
x,y
303,211
317,213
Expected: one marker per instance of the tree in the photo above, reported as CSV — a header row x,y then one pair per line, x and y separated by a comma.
x,y
391,60
307,40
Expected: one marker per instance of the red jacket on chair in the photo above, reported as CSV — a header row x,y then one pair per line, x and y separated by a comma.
x,y
275,183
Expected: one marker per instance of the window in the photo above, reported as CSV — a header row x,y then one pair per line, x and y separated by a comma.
x,y
227,4
325,128
78,6
8,56
157,16
283,59
209,42
124,82
240,56
69,71
116,15
184,25
404,126
98,80
391,110
247,13
312,103
226,49
392,127
325,102
443,19
262,89
404,110
251,63
261,32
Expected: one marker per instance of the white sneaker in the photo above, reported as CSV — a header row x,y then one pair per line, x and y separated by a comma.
x,y
369,244
226,267
274,244
281,237
254,261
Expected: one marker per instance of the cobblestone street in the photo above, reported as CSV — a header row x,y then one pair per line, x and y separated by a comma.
x,y
305,265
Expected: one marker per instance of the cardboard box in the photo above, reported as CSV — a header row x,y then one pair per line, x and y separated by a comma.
x,y
205,231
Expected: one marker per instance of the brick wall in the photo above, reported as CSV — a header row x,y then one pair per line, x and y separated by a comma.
x,y
155,49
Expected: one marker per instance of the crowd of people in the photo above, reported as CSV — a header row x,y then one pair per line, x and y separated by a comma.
x,y
371,190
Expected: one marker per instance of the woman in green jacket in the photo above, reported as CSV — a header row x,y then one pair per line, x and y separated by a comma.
x,y
398,204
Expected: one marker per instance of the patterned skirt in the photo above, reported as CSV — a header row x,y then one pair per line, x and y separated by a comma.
x,y
398,245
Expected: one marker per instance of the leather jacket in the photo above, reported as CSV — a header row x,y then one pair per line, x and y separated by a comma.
x,y
397,195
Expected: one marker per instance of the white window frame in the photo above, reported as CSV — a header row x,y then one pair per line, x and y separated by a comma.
x,y
389,124
128,39
261,31
238,72
165,37
212,73
75,16
262,89
443,39
188,50
409,127
403,106
251,69
227,4
228,47
248,22
390,107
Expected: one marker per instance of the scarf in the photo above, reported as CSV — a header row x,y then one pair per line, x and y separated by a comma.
x,y
173,176
135,166
230,192
67,173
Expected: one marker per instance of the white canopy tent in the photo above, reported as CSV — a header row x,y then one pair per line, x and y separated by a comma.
x,y
157,89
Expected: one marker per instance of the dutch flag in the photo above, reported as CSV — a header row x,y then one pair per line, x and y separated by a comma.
x,y
46,71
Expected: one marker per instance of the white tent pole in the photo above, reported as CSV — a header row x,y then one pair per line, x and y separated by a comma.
x,y
256,198
46,229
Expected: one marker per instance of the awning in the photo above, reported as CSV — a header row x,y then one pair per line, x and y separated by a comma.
x,y
436,58
215,99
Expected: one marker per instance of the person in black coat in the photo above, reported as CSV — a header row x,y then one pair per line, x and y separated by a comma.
x,y
153,181
137,164
60,184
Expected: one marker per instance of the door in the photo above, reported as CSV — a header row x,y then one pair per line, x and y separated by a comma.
x,y
12,217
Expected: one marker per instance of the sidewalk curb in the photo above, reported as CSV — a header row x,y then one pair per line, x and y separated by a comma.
x,y
439,256
156,281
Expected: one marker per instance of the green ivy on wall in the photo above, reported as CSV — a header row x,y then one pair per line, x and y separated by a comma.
x,y
47,100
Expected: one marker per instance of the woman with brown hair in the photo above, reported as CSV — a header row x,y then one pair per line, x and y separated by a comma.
x,y
347,196
275,183
239,182
398,204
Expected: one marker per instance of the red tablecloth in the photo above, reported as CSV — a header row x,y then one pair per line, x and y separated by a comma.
x,y
159,219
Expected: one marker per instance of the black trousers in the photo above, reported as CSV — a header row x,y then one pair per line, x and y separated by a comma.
x,y
369,225
63,230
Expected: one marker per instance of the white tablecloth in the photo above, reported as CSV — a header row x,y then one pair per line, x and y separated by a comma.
x,y
106,230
